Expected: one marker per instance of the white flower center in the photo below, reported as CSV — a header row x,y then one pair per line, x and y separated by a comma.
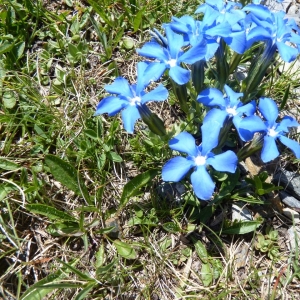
x,y
272,132
172,62
134,101
231,111
200,160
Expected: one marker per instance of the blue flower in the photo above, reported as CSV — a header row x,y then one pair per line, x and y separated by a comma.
x,y
198,159
220,14
270,130
129,97
171,57
281,32
195,31
230,107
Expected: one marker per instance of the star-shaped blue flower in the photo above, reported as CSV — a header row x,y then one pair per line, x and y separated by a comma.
x,y
282,34
271,130
198,159
171,57
129,97
195,31
230,107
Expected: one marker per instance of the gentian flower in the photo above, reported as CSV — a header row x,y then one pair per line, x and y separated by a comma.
x,y
230,107
198,159
222,13
171,57
270,130
282,35
195,31
129,98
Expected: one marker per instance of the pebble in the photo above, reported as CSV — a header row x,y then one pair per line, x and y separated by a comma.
x,y
293,237
289,200
291,214
240,212
171,191
290,181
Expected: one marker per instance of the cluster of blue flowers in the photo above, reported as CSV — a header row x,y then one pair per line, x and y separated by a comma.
x,y
188,41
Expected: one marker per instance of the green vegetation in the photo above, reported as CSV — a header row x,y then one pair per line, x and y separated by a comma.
x,y
81,211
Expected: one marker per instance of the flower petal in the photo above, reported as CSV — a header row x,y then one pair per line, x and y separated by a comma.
x,y
175,42
212,97
250,125
286,123
216,114
269,110
142,79
194,54
155,70
291,144
203,185
160,93
210,135
232,95
184,142
176,168
287,53
179,74
237,41
269,150
224,162
153,50
247,109
111,105
129,116
120,87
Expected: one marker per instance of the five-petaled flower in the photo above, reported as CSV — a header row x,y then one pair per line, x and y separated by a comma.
x,y
270,129
230,107
129,97
199,158
171,57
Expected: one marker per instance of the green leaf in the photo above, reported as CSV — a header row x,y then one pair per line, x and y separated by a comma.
x,y
19,50
60,285
200,250
5,189
171,227
99,256
73,50
228,185
206,274
49,211
8,165
241,227
80,274
67,228
104,269
67,175
6,46
114,156
9,99
135,184
100,11
125,250
35,292
138,20
85,291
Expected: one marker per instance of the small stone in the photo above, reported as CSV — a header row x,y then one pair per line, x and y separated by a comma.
x,y
240,212
171,191
115,233
290,181
289,200
253,165
291,214
293,237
